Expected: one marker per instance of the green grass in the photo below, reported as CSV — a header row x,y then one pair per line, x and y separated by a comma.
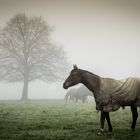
x,y
53,120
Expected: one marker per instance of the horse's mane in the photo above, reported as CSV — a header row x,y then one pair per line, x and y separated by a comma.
x,y
83,71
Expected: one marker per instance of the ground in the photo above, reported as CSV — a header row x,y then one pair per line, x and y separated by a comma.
x,y
53,120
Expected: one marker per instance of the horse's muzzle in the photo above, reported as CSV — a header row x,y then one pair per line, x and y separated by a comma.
x,y
64,86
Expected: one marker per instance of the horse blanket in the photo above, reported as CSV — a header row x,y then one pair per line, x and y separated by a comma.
x,y
115,93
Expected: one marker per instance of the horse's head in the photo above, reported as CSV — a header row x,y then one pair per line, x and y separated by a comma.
x,y
73,79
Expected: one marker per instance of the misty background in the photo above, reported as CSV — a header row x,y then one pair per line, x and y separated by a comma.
x,y
99,36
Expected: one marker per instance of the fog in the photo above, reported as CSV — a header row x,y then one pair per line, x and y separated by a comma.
x,y
102,36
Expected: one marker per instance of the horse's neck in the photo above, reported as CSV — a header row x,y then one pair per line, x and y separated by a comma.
x,y
91,81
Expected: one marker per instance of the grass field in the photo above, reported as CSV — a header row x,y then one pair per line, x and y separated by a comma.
x,y
53,120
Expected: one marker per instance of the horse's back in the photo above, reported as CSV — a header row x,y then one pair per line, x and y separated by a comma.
x,y
129,92
115,93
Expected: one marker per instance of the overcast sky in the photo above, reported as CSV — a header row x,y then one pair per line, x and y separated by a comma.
x,y
102,36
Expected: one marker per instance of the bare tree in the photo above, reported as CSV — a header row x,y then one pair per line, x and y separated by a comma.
x,y
27,52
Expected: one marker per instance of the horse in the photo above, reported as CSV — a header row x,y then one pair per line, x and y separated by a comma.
x,y
83,93
80,93
71,94
108,93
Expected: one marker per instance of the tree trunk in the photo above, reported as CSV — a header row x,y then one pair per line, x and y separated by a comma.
x,y
25,87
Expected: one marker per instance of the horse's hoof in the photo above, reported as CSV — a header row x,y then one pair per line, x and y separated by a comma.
x,y
100,130
99,133
110,130
132,129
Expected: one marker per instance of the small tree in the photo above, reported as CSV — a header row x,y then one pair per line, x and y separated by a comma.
x,y
27,52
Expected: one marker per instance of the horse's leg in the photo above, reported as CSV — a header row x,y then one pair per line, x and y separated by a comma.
x,y
76,99
108,121
102,119
134,116
84,99
66,99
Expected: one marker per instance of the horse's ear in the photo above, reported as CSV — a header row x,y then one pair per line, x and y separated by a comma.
x,y
75,67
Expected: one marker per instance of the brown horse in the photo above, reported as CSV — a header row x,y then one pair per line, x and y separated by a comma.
x,y
110,102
